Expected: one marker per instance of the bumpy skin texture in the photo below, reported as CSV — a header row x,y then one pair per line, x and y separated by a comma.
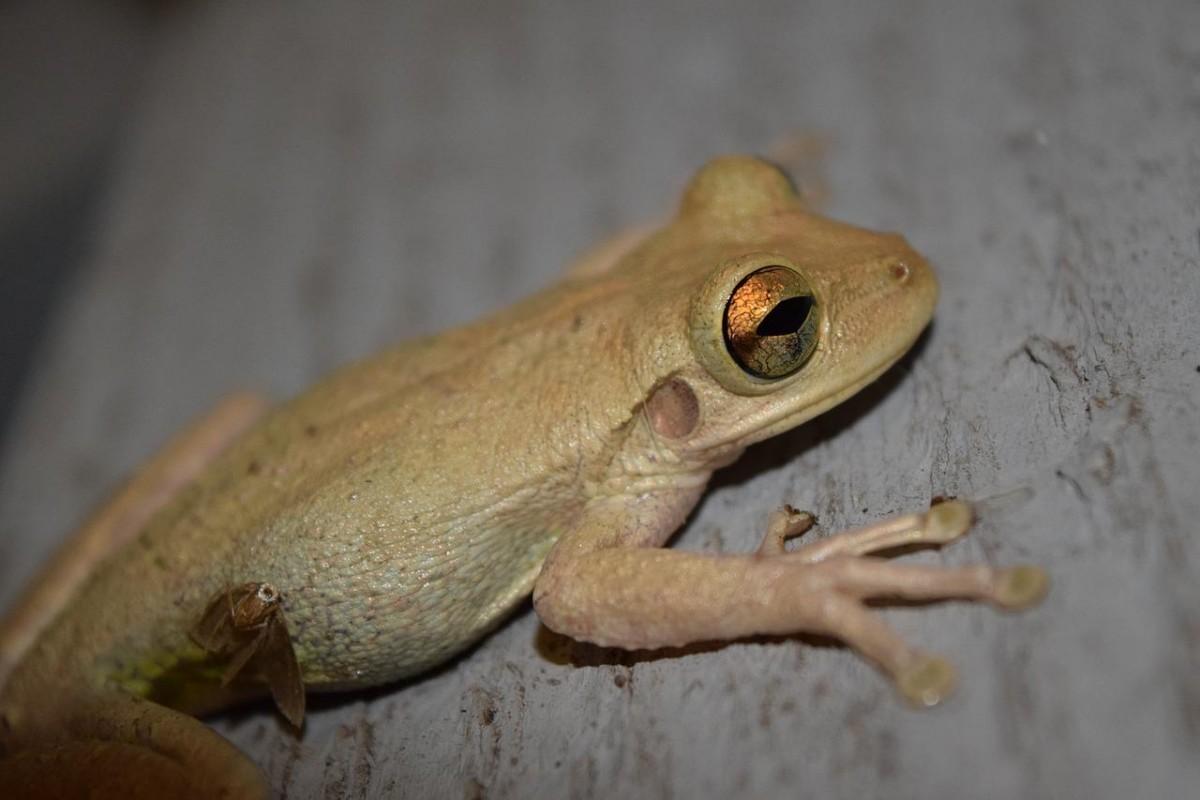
x,y
404,505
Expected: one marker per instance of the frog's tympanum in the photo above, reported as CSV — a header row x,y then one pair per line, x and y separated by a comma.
x,y
384,520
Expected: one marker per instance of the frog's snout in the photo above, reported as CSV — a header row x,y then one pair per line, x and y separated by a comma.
x,y
911,276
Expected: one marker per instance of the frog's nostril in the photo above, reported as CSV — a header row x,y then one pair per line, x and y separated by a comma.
x,y
900,271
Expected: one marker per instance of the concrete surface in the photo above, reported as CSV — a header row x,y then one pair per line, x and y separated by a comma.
x,y
306,183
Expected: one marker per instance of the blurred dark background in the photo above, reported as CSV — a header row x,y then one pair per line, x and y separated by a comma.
x,y
69,69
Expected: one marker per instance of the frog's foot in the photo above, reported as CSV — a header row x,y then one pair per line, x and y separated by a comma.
x,y
926,681
922,679
942,523
1021,587
128,748
784,524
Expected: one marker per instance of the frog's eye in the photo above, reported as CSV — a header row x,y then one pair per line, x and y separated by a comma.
x,y
755,321
770,322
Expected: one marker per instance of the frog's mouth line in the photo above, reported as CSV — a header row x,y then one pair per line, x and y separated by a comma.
x,y
794,418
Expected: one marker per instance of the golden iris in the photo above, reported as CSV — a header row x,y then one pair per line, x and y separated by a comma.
x,y
770,322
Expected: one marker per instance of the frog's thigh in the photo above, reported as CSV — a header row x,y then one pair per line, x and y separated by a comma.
x,y
129,748
602,257
169,470
123,516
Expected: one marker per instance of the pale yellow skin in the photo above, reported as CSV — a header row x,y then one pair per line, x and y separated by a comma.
x,y
406,504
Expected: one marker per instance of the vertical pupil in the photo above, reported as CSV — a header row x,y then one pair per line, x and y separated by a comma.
x,y
786,318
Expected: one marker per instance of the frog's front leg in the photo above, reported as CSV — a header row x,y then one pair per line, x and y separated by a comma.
x,y
594,589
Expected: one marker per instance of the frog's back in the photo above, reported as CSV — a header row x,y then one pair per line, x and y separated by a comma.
x,y
397,519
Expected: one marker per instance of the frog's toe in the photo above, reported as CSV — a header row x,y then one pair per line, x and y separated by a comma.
x,y
1021,587
784,523
947,521
927,681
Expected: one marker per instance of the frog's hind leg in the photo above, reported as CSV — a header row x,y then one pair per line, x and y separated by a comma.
x,y
128,748
121,518
601,258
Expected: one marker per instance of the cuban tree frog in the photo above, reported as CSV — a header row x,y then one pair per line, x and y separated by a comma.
x,y
387,518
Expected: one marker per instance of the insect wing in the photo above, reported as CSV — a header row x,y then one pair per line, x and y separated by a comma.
x,y
215,632
239,612
243,656
277,661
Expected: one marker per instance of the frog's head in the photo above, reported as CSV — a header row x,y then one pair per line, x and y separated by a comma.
x,y
781,314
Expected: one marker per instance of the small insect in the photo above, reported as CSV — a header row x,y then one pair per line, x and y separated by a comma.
x,y
246,623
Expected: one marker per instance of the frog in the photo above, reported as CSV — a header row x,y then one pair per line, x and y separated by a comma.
x,y
381,522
